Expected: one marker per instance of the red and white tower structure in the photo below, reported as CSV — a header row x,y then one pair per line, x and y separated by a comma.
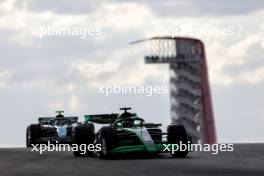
x,y
190,95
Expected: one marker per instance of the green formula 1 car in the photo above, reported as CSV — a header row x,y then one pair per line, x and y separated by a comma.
x,y
127,133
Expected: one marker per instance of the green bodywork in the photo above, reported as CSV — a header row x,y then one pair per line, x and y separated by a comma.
x,y
145,147
100,118
147,144
139,148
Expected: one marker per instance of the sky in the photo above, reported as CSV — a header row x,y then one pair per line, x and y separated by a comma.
x,y
42,71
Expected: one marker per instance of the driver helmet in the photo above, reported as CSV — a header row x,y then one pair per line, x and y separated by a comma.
x,y
127,123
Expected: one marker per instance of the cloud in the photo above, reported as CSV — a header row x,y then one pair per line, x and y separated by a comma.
x,y
161,8
203,8
235,64
61,6
4,77
39,76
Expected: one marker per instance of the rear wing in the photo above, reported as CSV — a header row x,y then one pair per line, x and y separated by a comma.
x,y
46,120
101,118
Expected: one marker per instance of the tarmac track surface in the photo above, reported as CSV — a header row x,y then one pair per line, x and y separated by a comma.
x,y
246,159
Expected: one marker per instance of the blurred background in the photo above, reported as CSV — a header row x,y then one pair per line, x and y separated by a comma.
x,y
56,55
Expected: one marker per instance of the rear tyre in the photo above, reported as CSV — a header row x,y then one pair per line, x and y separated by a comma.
x,y
178,135
32,134
83,134
108,139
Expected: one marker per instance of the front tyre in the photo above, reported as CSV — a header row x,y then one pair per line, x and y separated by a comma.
x,y
107,138
178,135
83,134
